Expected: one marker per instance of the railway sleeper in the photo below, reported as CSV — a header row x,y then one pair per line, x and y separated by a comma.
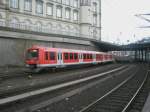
x,y
108,108
111,105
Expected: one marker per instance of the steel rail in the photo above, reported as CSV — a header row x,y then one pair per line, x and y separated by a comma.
x,y
108,93
134,96
52,88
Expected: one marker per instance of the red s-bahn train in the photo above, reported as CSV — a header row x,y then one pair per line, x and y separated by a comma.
x,y
44,57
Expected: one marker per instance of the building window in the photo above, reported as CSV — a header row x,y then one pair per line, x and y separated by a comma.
x,y
67,2
95,19
27,5
14,4
59,27
85,2
1,16
38,26
67,13
14,22
27,24
50,9
94,33
49,25
39,7
75,3
94,6
75,15
60,1
59,12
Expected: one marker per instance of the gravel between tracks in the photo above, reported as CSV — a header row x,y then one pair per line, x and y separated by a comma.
x,y
46,96
118,99
78,101
21,84
138,103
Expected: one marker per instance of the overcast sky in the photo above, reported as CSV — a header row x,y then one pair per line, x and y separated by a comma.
x,y
119,22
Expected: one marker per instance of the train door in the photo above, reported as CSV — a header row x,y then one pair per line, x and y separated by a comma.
x,y
94,58
80,57
60,58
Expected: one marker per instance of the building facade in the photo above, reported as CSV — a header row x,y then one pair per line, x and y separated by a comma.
x,y
79,18
51,23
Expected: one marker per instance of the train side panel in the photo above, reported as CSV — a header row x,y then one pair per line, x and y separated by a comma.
x,y
55,57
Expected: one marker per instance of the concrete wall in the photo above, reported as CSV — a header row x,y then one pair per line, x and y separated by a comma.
x,y
12,50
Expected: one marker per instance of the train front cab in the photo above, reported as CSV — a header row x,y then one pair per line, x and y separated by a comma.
x,y
37,57
32,57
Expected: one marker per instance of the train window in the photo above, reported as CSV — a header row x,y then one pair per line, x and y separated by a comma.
x,y
59,56
96,56
71,55
75,56
66,56
90,56
87,56
46,55
111,56
101,56
79,56
52,55
32,54
84,56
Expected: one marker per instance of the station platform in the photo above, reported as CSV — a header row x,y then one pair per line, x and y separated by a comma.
x,y
147,105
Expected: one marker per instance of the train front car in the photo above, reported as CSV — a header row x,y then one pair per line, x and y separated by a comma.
x,y
32,57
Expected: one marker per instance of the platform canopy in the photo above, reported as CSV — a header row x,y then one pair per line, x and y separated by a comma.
x,y
106,46
140,45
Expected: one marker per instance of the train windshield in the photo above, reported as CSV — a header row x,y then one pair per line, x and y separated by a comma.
x,y
32,54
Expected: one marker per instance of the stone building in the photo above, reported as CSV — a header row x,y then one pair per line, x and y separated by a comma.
x,y
53,23
79,18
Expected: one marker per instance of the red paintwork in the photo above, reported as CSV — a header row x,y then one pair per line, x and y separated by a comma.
x,y
70,60
87,59
100,56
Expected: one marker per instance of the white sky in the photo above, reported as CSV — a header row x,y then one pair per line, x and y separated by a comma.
x,y
119,22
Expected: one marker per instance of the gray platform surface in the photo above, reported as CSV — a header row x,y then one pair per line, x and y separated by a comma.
x,y
147,105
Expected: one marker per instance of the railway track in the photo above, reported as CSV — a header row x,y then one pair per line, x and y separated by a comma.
x,y
122,97
71,106
138,103
18,105
55,87
23,73
23,84
20,97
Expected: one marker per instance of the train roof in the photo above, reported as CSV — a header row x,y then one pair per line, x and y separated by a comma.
x,y
65,50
